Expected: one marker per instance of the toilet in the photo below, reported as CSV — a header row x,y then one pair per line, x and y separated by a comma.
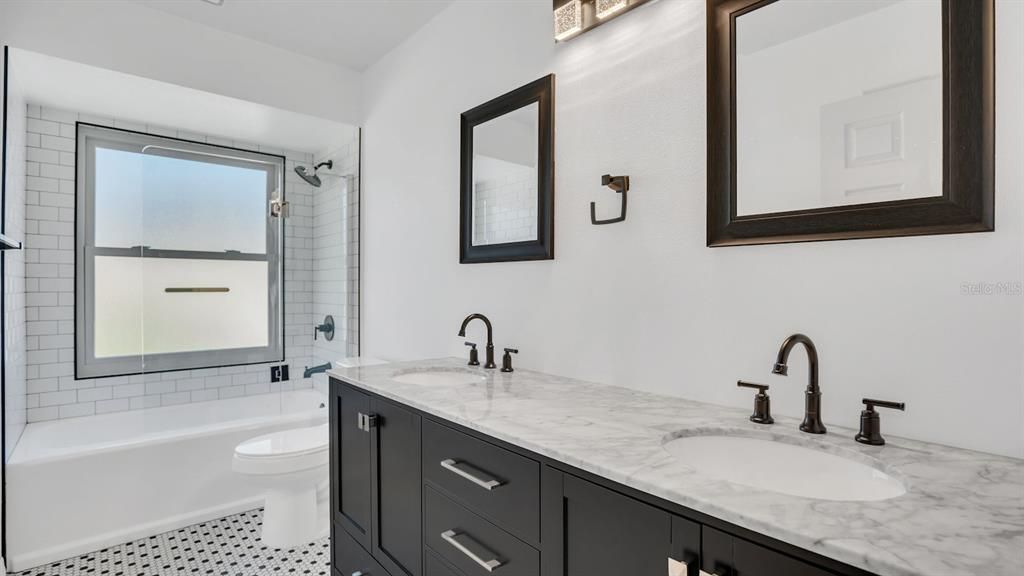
x,y
292,466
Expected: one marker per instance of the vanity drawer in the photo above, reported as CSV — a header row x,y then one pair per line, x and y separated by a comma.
x,y
437,567
496,483
469,542
348,557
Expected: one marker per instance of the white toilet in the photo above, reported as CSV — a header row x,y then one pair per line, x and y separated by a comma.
x,y
292,466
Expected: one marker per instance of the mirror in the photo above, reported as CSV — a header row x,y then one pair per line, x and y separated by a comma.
x,y
833,119
507,177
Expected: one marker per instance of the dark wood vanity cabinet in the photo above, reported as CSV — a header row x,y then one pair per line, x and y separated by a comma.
x,y
727,555
351,479
416,496
375,483
605,532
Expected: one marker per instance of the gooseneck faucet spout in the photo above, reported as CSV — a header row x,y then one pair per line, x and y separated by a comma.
x,y
812,423
490,337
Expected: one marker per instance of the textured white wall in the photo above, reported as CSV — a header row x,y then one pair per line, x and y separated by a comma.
x,y
129,37
644,303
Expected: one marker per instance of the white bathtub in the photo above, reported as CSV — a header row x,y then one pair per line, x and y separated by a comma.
x,y
78,485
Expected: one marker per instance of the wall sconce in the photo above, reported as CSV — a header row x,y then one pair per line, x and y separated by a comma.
x,y
568,19
606,8
574,17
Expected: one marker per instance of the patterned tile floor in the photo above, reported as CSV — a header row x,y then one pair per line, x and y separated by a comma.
x,y
224,547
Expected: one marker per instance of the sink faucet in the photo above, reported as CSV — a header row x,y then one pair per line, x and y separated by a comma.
x,y
812,396
490,341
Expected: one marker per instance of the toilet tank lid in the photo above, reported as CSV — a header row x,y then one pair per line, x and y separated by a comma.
x,y
285,442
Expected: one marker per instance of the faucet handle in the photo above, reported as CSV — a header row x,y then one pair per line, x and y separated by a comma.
x,y
762,403
883,404
506,360
474,357
871,424
760,387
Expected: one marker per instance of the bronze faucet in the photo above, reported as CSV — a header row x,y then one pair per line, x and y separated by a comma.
x,y
812,400
490,341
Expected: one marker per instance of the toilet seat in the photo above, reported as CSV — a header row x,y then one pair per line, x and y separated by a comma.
x,y
283,452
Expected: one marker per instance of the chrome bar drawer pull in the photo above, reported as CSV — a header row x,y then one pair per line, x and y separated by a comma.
x,y
491,565
462,469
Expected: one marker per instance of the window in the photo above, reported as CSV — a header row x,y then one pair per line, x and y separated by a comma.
x,y
179,261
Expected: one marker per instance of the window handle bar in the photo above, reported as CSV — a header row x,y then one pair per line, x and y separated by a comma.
x,y
211,154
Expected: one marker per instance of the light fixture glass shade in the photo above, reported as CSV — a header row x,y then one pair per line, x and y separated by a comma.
x,y
606,8
568,19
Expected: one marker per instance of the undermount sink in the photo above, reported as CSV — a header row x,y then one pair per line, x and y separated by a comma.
x,y
784,468
439,377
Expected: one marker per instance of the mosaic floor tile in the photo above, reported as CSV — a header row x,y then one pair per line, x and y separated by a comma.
x,y
227,546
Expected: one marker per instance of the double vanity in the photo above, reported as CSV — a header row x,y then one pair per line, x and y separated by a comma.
x,y
442,469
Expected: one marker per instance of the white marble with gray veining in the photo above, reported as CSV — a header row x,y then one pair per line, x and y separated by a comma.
x,y
963,512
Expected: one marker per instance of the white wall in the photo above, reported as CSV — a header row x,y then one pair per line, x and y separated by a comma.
x,y
129,37
644,303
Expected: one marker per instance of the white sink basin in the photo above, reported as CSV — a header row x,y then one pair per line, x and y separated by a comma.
x,y
784,468
439,377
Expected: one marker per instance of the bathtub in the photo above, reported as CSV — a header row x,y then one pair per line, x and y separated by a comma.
x,y
82,484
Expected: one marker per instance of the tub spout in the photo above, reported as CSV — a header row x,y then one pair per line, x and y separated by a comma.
x,y
316,369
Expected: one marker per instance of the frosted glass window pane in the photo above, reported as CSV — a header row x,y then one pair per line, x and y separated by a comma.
x,y
119,177
179,204
135,315
117,330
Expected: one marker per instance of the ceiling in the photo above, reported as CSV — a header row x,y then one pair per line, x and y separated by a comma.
x,y
352,33
68,85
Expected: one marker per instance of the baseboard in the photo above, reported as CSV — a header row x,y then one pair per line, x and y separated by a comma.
x,y
96,542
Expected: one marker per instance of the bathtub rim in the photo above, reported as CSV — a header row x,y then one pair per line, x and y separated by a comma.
x,y
313,417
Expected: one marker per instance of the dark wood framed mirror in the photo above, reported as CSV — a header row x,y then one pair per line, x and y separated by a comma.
x,y
854,119
507,209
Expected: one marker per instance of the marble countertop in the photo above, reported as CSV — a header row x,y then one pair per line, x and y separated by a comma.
x,y
963,512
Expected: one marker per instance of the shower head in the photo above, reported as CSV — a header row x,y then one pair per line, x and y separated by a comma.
x,y
313,179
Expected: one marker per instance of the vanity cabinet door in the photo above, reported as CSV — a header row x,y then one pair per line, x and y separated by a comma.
x,y
397,526
608,534
351,464
727,555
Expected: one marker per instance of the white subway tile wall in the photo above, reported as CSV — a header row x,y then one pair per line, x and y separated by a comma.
x,y
335,254
52,390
